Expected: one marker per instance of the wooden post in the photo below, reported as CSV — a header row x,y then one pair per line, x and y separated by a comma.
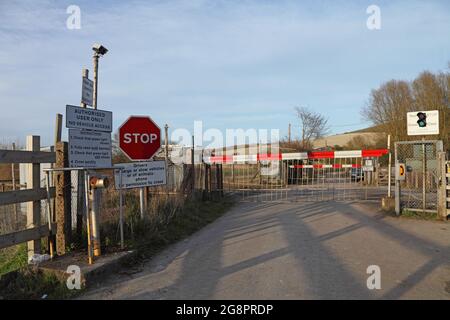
x,y
33,207
63,200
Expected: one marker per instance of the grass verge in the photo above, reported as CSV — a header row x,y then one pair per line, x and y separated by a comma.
x,y
419,215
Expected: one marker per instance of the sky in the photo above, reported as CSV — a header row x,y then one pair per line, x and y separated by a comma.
x,y
231,64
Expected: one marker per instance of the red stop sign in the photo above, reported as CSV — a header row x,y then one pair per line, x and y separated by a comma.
x,y
139,138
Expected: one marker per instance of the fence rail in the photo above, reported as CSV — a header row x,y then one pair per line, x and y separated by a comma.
x,y
26,235
33,157
18,196
19,156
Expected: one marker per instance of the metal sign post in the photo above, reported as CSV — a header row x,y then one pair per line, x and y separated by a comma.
x,y
88,221
122,245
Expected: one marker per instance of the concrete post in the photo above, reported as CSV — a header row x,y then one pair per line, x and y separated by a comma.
x,y
63,199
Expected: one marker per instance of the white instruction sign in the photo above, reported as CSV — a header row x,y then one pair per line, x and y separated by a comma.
x,y
87,118
89,149
140,174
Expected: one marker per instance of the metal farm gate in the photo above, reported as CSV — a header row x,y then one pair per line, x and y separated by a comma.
x,y
304,176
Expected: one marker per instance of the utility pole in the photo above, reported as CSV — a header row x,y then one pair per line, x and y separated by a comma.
x,y
99,51
289,133
95,60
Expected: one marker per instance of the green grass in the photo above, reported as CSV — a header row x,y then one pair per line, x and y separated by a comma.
x,y
30,283
13,258
419,215
20,281
152,235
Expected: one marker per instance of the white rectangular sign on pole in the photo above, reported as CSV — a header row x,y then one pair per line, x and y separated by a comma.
x,y
89,149
91,119
87,91
422,123
141,174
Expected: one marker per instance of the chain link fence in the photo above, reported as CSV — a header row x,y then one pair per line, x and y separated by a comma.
x,y
419,190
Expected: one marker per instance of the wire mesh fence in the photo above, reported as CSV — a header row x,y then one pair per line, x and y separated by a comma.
x,y
419,190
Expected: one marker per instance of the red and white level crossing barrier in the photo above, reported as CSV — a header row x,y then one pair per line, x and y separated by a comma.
x,y
324,166
298,156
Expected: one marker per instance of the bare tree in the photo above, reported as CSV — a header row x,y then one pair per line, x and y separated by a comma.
x,y
313,126
389,104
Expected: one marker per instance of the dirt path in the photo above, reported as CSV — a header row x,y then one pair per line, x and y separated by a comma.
x,y
313,250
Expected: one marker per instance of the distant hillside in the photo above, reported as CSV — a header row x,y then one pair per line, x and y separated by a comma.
x,y
377,128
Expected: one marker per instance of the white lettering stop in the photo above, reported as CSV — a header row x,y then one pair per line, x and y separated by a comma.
x,y
139,138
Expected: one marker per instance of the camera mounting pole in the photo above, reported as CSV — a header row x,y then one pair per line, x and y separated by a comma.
x,y
99,51
95,61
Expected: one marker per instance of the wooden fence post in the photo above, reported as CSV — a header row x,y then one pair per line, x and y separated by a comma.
x,y
63,199
33,207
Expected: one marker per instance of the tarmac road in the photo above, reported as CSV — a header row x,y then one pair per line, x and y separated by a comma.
x,y
311,250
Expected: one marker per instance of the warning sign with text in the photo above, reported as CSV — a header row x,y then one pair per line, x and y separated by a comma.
x,y
89,149
140,174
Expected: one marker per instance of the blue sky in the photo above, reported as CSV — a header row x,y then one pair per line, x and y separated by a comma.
x,y
232,64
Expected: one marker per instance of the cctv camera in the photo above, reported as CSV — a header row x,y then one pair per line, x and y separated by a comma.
x,y
99,49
